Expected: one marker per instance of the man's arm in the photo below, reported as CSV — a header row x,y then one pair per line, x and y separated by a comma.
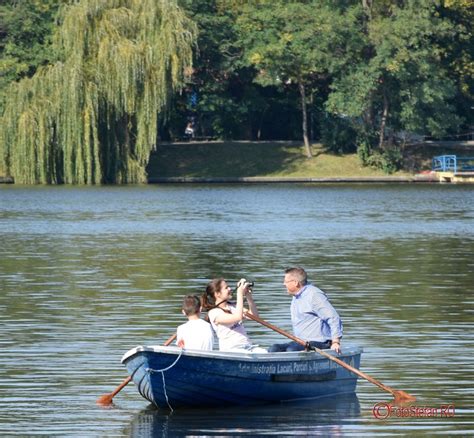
x,y
328,313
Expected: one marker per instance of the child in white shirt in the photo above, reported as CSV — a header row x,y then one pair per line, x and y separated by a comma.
x,y
196,334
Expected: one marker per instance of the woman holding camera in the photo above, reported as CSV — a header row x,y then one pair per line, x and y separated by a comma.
x,y
226,318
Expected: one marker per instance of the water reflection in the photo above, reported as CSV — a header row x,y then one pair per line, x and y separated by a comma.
x,y
326,416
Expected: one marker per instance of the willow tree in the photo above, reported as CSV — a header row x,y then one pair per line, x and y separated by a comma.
x,y
92,116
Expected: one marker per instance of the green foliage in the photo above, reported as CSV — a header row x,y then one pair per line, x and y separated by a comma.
x,y
364,151
92,117
338,134
408,56
389,160
403,76
215,81
230,104
296,44
458,54
288,42
90,113
26,27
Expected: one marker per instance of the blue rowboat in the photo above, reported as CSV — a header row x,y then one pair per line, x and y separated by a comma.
x,y
170,377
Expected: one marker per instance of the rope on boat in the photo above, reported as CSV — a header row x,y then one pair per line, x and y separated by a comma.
x,y
162,371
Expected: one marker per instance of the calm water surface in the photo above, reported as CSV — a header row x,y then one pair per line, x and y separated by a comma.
x,y
88,273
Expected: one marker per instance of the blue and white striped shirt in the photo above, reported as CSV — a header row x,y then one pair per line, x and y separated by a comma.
x,y
313,316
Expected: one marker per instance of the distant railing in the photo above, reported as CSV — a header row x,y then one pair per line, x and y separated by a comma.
x,y
453,163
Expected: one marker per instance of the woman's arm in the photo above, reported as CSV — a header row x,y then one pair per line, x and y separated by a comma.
x,y
232,318
252,306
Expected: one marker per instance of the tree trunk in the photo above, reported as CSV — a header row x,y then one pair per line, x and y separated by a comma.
x,y
383,122
367,5
305,120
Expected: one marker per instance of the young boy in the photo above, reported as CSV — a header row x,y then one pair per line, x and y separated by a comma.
x,y
196,334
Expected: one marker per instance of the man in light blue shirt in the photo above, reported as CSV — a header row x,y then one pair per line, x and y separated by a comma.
x,y
313,317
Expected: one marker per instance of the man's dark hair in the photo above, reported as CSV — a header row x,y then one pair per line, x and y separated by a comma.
x,y
299,274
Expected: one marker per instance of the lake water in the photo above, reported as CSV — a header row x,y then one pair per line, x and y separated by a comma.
x,y
88,273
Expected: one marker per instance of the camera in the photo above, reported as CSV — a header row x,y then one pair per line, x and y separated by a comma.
x,y
247,284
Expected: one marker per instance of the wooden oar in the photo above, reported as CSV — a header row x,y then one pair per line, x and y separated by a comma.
x,y
106,399
399,396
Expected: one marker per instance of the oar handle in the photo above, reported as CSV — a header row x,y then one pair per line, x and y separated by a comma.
x,y
275,328
322,352
170,340
354,370
121,386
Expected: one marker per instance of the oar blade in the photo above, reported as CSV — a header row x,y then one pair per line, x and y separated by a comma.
x,y
402,397
105,400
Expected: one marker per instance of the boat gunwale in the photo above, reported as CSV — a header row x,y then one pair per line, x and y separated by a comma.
x,y
242,356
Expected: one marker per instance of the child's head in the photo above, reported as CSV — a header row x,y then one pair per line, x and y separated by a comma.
x,y
191,305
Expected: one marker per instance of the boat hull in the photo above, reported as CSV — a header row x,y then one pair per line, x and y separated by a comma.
x,y
170,377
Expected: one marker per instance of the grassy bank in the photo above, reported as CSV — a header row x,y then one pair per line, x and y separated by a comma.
x,y
276,159
236,159
242,159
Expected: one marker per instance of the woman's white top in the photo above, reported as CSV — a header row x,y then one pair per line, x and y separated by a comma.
x,y
231,336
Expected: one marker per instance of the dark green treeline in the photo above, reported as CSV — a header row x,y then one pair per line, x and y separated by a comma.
x,y
86,93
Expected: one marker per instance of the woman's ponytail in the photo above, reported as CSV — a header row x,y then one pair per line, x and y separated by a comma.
x,y
208,299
